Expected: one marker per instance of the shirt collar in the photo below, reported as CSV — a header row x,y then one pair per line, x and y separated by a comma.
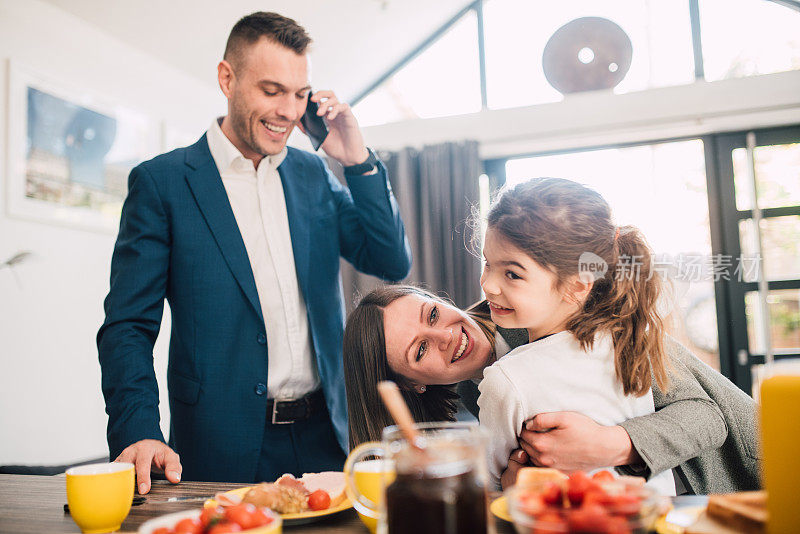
x,y
226,155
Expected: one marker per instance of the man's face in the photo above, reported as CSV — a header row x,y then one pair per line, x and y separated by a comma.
x,y
267,97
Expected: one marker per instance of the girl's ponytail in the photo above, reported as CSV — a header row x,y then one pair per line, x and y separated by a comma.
x,y
624,302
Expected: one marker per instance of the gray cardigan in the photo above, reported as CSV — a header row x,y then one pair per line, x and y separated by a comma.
x,y
704,426
712,451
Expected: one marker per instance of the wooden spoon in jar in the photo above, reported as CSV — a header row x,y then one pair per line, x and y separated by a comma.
x,y
398,409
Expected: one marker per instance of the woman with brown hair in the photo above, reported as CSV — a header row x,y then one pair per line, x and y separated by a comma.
x,y
704,425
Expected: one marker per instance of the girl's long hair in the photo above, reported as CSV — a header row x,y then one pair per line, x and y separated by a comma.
x,y
561,224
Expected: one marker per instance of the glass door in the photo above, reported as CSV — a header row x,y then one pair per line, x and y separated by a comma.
x,y
758,183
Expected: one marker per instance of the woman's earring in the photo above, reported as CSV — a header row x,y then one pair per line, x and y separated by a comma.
x,y
422,389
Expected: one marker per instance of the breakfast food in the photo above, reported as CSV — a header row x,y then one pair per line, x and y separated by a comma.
x,y
547,501
532,476
218,520
281,498
290,495
331,482
745,511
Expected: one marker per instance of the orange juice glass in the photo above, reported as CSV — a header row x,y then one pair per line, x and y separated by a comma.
x,y
780,436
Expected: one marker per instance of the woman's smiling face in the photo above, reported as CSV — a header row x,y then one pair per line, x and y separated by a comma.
x,y
430,342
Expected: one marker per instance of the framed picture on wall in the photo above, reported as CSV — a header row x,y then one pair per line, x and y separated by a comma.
x,y
70,152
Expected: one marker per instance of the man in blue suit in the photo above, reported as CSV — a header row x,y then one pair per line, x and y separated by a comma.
x,y
242,236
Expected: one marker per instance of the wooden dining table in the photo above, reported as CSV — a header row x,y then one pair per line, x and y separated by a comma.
x,y
36,504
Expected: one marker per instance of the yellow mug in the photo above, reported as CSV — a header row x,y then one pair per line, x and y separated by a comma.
x,y
366,480
100,495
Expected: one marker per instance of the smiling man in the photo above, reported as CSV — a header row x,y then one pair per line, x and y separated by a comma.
x,y
243,235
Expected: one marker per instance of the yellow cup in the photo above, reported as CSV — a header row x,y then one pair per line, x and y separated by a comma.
x,y
366,482
100,495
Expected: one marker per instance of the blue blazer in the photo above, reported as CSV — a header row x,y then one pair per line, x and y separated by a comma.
x,y
178,239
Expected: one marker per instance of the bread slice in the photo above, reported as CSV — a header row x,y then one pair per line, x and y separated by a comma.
x,y
745,510
331,481
529,477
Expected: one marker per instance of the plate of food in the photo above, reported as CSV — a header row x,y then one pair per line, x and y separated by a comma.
x,y
298,500
499,507
241,518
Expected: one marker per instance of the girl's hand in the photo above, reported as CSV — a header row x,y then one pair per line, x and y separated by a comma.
x,y
516,461
570,441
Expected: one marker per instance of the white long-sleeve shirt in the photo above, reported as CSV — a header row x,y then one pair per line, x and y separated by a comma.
x,y
259,206
551,375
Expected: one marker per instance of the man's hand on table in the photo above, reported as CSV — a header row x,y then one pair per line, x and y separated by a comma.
x,y
570,441
151,454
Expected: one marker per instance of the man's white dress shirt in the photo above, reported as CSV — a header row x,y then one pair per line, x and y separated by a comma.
x,y
259,206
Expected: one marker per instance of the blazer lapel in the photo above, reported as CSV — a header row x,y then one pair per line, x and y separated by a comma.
x,y
295,191
209,193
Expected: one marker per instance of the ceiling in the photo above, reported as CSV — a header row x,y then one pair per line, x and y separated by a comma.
x,y
355,41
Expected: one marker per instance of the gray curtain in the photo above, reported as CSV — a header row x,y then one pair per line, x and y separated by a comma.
x,y
436,189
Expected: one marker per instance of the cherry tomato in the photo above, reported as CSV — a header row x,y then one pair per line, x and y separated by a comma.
x,y
618,525
578,485
242,514
549,522
163,530
598,496
211,515
551,494
260,518
603,476
319,500
224,527
190,525
531,503
589,518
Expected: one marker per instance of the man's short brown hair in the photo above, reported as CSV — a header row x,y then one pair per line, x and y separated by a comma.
x,y
277,28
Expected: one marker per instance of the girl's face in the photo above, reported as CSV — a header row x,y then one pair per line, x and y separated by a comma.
x,y
522,293
430,342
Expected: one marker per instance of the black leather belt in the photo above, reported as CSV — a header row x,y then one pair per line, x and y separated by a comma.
x,y
288,411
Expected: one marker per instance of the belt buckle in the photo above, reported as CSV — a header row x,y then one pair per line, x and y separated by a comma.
x,y
275,414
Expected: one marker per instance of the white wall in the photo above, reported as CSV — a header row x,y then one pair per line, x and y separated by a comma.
x,y
51,407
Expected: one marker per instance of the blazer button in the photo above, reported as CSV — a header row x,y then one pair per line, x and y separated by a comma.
x,y
262,339
260,389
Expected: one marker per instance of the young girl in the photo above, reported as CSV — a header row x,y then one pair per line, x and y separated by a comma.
x,y
586,293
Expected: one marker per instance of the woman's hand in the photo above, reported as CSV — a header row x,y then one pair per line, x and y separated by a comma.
x,y
570,441
516,461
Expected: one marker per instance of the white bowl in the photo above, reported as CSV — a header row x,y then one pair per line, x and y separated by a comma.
x,y
170,520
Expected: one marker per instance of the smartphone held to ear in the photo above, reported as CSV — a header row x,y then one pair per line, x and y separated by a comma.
x,y
314,125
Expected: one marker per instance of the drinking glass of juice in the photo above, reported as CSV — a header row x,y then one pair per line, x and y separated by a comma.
x,y
780,437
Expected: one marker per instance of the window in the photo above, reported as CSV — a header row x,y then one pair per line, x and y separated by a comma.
x,y
748,37
443,80
763,299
